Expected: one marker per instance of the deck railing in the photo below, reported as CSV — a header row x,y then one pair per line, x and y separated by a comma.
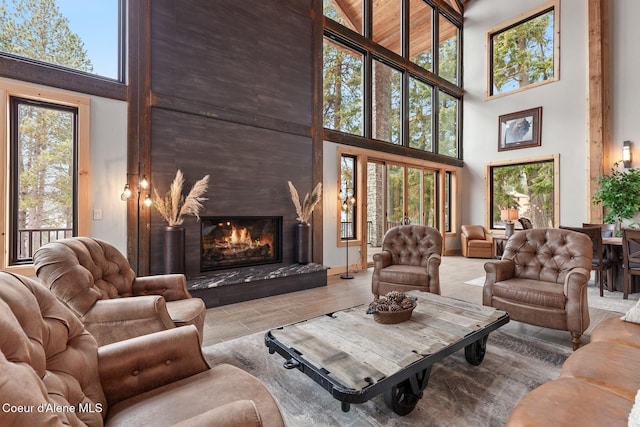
x,y
31,239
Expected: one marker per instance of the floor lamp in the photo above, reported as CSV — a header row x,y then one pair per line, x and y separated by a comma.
x,y
346,203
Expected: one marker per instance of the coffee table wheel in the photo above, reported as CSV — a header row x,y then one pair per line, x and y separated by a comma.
x,y
401,399
474,352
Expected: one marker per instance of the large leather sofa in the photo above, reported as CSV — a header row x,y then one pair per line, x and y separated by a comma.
x,y
53,373
597,385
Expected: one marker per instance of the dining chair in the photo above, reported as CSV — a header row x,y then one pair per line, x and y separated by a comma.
x,y
600,261
630,258
608,230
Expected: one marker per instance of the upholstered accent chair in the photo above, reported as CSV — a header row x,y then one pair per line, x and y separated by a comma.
x,y
600,262
476,242
97,283
542,280
409,260
630,258
54,370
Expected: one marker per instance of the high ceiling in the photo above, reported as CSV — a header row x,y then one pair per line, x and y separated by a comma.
x,y
386,22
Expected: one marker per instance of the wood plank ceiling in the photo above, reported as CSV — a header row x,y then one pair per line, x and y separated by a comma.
x,y
386,22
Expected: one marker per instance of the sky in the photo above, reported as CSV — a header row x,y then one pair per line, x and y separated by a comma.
x,y
96,22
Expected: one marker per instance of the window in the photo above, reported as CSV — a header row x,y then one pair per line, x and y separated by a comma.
x,y
524,53
82,36
43,146
343,95
348,194
372,87
46,195
528,186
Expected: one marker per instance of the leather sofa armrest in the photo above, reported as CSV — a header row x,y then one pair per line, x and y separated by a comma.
x,y
381,260
119,319
575,289
497,271
134,366
433,269
575,280
171,286
241,413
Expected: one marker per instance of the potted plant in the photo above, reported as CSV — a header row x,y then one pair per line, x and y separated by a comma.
x,y
173,206
619,195
304,211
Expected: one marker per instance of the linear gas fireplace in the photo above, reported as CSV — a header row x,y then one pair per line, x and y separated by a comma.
x,y
229,242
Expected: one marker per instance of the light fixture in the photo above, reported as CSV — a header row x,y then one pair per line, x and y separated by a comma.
x,y
508,215
142,187
626,154
346,203
126,193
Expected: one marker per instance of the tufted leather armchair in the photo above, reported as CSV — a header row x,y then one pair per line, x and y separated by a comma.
x,y
96,282
409,260
476,243
542,280
53,373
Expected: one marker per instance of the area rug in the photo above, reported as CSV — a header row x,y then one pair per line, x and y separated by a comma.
x,y
611,301
458,394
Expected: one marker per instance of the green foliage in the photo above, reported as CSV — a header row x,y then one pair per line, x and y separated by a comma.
x,y
523,54
619,194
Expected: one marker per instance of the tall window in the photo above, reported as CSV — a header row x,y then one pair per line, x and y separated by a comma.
x,y
524,53
528,186
85,36
43,167
399,100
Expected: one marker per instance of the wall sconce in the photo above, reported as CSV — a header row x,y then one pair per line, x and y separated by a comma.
x,y
347,201
143,185
626,154
508,215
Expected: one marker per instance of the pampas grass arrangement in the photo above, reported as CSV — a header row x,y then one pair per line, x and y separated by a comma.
x,y
305,209
173,206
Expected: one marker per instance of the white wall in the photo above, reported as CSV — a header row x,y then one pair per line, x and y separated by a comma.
x,y
564,108
333,256
109,170
625,36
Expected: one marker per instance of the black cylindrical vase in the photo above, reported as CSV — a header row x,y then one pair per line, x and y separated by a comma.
x,y
303,250
173,249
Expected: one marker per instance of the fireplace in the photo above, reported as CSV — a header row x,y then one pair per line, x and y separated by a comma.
x,y
229,242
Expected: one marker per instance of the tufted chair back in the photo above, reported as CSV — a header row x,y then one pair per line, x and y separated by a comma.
x,y
412,244
56,359
548,254
83,270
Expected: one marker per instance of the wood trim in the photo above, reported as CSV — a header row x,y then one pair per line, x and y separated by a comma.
x,y
317,141
33,72
599,101
138,132
386,147
556,184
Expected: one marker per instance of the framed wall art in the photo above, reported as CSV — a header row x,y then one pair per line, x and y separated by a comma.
x,y
520,129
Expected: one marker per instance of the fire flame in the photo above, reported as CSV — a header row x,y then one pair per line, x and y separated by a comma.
x,y
240,236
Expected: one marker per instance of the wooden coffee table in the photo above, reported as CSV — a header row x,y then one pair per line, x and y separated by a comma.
x,y
355,359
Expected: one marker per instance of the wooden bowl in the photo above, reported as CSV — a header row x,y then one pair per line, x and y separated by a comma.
x,y
391,317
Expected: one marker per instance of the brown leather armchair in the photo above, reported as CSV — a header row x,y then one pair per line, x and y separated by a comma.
x,y
54,370
409,260
476,243
542,280
96,282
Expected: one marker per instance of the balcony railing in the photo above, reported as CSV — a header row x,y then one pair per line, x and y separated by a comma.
x,y
31,239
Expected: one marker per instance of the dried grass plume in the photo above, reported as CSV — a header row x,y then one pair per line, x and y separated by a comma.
x,y
305,209
173,206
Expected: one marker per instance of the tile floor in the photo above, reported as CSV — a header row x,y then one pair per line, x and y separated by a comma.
x,y
236,320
